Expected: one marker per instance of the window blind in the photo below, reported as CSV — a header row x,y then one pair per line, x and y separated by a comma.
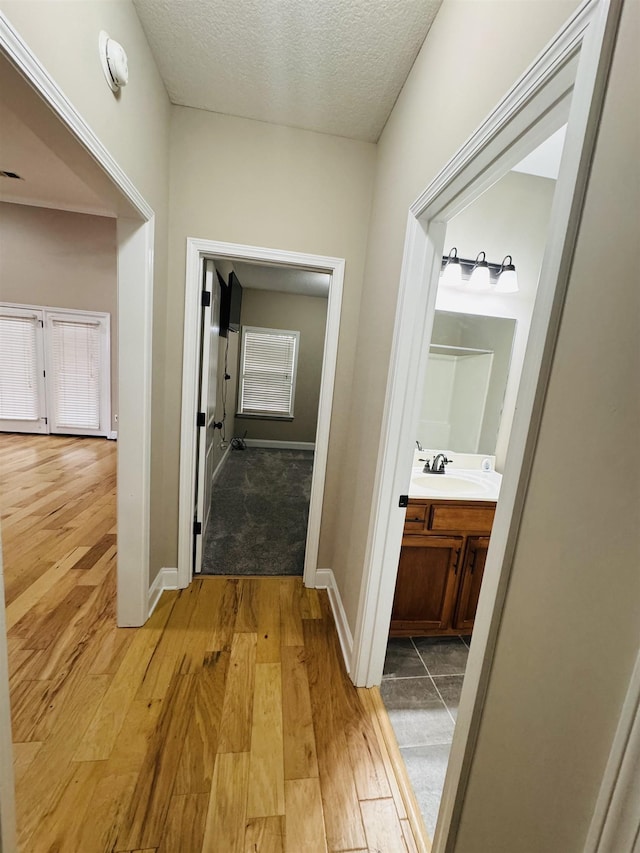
x,y
19,393
268,371
75,354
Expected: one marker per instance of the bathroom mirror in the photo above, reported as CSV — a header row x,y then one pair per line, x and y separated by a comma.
x,y
465,383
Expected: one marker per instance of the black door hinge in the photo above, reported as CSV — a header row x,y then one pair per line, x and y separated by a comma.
x,y
206,299
197,528
404,500
201,420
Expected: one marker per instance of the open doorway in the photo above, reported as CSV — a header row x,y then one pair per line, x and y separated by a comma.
x,y
564,86
474,367
262,351
283,307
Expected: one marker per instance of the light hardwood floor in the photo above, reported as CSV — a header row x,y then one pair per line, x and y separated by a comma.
x,y
226,724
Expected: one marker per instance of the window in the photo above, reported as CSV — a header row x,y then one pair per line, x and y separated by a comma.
x,y
268,372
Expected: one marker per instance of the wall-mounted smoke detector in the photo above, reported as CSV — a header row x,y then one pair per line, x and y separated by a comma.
x,y
114,61
13,175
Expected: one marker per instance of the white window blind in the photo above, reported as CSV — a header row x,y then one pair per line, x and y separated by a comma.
x,y
76,368
269,362
19,380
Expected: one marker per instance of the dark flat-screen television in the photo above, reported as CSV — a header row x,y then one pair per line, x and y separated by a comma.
x,y
230,304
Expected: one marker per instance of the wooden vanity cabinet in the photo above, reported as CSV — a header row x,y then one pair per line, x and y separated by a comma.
x,y
441,566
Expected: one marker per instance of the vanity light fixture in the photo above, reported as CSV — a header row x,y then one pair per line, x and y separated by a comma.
x,y
479,275
507,277
452,273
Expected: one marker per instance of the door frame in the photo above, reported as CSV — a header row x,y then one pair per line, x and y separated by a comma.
x,y
197,250
135,247
533,109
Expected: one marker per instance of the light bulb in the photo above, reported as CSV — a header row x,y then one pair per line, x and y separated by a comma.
x,y
480,275
452,274
507,277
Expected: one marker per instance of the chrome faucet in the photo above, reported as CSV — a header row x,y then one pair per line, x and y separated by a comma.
x,y
437,466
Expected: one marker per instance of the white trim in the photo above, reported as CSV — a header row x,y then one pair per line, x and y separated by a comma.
x,y
280,445
135,306
113,435
533,108
219,466
615,825
325,579
196,250
165,579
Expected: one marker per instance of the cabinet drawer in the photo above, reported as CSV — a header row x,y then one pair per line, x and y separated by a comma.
x,y
472,519
415,518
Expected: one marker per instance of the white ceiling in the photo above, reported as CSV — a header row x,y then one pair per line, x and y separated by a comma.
x,y
282,279
334,66
544,161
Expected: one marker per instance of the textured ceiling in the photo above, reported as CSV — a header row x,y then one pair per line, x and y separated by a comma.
x,y
334,66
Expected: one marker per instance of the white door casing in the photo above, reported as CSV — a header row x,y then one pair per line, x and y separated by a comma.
x,y
198,249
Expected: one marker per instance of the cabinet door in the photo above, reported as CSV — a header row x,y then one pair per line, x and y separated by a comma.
x,y
426,584
471,581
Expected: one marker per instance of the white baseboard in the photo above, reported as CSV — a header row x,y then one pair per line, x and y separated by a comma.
x,y
220,464
325,579
113,435
165,579
280,445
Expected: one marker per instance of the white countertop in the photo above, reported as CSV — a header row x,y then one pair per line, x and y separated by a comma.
x,y
458,483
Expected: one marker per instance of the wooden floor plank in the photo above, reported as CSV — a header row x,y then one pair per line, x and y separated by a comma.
x,y
103,731
237,707
265,835
300,759
197,762
227,723
266,763
268,621
343,821
149,807
304,819
226,815
382,827
185,826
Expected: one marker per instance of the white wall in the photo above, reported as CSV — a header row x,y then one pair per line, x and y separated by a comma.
x,y
134,127
61,260
455,82
511,218
243,181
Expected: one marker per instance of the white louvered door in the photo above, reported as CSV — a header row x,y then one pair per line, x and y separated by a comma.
x,y
77,373
22,383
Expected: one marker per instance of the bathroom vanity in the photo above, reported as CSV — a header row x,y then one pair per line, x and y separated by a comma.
x,y
444,548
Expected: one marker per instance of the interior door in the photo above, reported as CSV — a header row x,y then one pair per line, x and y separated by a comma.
x,y
22,380
209,338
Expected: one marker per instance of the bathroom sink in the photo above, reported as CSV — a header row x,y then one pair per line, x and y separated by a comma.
x,y
456,485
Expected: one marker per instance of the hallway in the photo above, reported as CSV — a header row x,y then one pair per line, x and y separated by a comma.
x,y
226,723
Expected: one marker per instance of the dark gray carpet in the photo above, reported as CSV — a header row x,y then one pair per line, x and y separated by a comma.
x,y
259,513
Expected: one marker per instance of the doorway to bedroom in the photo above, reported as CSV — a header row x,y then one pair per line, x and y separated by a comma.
x,y
266,366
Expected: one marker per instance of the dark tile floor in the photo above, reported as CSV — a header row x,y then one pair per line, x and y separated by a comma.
x,y
420,688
